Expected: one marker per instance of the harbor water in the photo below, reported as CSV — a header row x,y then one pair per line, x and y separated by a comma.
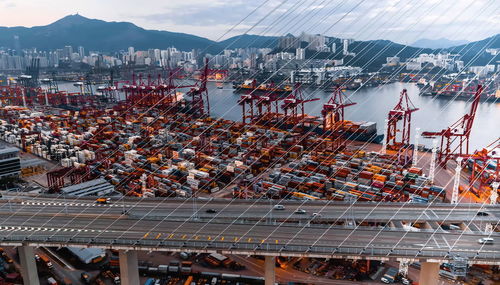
x,y
373,104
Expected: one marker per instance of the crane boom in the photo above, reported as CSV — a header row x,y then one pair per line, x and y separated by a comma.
x,y
460,131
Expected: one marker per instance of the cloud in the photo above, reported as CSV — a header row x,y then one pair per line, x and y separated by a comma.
x,y
397,20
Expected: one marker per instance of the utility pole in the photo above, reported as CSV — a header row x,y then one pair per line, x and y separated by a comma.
x,y
386,133
403,267
195,206
456,183
415,147
493,201
494,193
432,168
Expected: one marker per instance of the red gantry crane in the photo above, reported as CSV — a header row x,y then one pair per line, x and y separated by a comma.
x,y
399,121
485,168
293,105
333,118
459,132
200,105
268,108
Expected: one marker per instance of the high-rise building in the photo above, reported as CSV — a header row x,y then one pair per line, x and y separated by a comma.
x,y
131,51
81,52
300,54
68,52
346,47
288,42
17,45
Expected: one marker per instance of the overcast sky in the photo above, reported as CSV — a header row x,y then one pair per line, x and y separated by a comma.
x,y
402,21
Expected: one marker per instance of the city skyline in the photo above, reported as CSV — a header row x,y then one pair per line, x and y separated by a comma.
x,y
392,20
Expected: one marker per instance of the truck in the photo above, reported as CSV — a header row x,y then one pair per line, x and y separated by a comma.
x,y
46,261
215,259
390,276
186,267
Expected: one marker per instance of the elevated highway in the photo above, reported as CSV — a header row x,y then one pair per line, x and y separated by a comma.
x,y
253,210
245,227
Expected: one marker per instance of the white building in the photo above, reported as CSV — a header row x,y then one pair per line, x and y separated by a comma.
x,y
300,54
413,65
345,50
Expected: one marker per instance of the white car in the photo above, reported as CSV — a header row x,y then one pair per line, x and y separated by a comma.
x,y
279,207
300,211
485,241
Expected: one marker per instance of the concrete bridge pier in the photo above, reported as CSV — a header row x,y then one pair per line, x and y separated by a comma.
x,y
269,270
28,265
129,269
429,273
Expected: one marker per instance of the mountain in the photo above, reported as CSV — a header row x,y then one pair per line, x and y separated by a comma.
x,y
475,52
372,54
76,30
438,43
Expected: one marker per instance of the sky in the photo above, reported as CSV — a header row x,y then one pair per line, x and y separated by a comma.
x,y
402,21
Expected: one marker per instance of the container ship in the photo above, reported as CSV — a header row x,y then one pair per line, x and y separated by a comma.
x,y
464,90
356,131
363,131
251,85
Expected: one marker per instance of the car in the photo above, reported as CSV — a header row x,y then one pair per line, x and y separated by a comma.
x,y
7,258
406,281
85,277
300,211
483,214
37,257
316,215
279,207
211,211
485,241
102,200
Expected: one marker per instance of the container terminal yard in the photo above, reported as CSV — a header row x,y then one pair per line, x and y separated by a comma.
x,y
159,144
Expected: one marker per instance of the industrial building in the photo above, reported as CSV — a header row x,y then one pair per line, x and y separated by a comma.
x,y
88,255
10,164
96,187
